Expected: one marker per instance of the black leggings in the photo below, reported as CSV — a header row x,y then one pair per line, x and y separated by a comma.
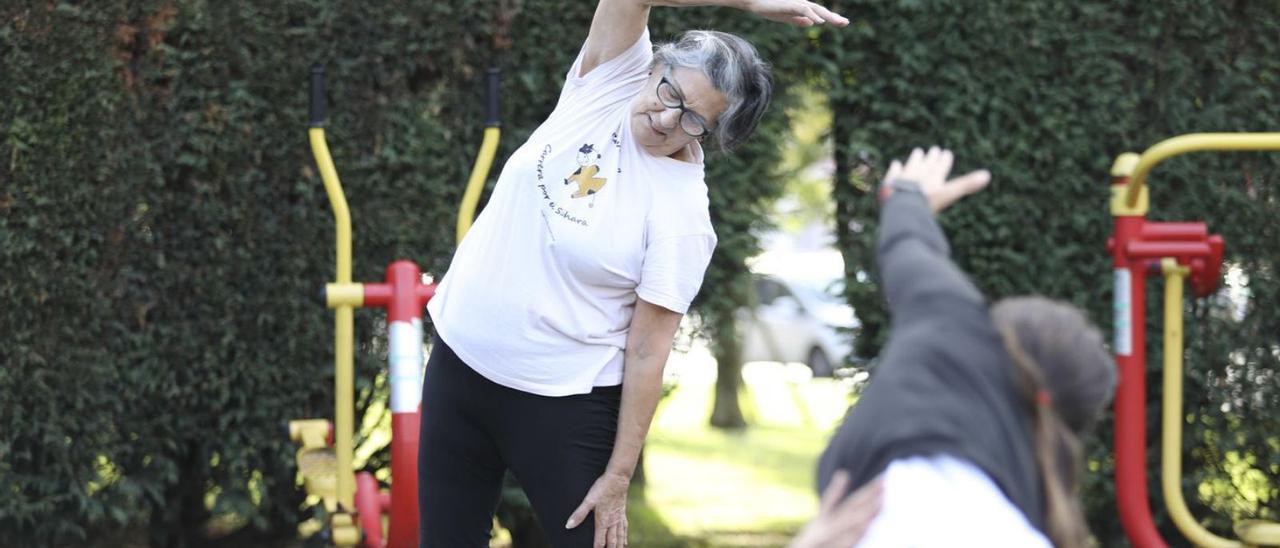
x,y
474,429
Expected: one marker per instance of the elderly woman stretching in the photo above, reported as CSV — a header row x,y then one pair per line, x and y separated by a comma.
x,y
557,315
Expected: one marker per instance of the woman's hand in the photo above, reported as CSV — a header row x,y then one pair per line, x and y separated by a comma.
x,y
841,524
796,12
608,498
929,170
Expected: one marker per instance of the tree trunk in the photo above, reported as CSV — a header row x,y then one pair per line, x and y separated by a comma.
x,y
726,411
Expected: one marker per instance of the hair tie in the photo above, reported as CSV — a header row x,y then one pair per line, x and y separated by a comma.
x,y
1043,399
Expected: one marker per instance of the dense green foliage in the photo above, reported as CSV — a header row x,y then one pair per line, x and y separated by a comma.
x,y
163,233
1046,94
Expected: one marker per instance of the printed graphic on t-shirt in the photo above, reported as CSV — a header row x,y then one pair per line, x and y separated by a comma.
x,y
588,183
585,182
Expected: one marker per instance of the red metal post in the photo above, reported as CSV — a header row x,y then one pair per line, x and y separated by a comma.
x,y
1129,307
403,295
1131,393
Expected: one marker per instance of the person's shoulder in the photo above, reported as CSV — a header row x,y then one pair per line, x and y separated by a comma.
x,y
681,195
683,177
628,62
679,208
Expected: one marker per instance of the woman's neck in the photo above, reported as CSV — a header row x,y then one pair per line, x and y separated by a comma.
x,y
686,154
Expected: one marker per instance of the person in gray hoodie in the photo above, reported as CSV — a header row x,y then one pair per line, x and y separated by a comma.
x,y
972,421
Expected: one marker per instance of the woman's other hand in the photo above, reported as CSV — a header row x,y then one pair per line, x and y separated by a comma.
x,y
608,498
841,523
930,170
796,12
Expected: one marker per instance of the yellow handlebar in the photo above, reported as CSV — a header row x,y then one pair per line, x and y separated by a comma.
x,y
1194,142
337,200
343,325
479,172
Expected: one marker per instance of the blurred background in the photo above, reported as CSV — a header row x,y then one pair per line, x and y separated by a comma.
x,y
164,235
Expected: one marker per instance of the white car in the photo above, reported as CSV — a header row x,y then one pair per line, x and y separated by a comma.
x,y
799,318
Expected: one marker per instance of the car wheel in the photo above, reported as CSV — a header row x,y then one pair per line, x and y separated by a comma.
x,y
819,363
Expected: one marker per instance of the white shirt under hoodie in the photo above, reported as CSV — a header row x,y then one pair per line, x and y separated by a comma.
x,y
540,294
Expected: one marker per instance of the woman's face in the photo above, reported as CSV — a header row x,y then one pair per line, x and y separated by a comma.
x,y
658,127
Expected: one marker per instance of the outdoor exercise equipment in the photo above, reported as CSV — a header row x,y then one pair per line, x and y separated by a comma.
x,y
1178,251
354,502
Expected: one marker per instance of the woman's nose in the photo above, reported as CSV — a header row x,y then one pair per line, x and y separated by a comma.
x,y
668,117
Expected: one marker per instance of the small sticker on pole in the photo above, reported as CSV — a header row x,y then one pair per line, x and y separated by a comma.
x,y
1123,312
405,356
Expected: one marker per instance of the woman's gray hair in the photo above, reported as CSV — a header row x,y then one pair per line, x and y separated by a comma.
x,y
735,70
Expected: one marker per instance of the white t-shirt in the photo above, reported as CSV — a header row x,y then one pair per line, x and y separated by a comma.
x,y
540,293
944,501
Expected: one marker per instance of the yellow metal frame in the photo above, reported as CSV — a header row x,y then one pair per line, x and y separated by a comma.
x,y
1122,168
1193,142
344,294
1252,532
343,323
1171,414
479,172
316,460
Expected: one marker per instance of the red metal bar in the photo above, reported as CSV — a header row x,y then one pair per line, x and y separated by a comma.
x,y
368,510
1204,281
1192,231
425,292
377,295
1131,400
1183,251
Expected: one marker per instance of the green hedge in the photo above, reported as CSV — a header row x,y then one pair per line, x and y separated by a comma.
x,y
1046,94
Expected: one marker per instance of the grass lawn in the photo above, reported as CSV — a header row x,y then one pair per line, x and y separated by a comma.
x,y
754,487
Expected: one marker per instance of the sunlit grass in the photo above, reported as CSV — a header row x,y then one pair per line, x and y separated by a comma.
x,y
753,487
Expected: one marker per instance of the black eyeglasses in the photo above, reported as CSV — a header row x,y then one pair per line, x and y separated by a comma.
x,y
690,122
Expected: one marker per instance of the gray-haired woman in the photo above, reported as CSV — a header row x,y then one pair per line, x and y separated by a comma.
x,y
557,315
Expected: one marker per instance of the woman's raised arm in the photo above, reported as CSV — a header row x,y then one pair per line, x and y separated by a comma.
x,y
912,253
619,23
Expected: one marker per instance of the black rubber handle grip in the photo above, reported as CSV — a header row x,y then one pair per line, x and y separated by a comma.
x,y
317,95
491,113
